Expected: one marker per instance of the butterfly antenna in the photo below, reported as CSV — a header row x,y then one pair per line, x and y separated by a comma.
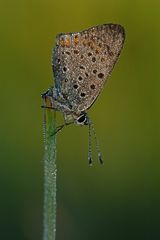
x,y
97,143
90,160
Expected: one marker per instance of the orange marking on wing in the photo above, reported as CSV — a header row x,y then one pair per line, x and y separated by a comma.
x,y
85,42
68,42
65,42
76,39
62,42
98,50
91,44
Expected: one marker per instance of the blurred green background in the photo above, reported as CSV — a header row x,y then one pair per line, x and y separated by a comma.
x,y
120,200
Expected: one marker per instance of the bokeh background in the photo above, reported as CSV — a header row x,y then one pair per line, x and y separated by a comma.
x,y
120,200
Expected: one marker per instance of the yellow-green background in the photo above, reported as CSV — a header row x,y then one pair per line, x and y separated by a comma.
x,y
120,200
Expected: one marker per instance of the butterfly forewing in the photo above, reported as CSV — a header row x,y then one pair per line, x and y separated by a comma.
x,y
82,62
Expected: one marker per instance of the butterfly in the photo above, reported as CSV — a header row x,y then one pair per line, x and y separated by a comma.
x,y
81,63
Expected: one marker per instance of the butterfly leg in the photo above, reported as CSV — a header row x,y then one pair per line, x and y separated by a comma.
x,y
59,128
43,106
67,121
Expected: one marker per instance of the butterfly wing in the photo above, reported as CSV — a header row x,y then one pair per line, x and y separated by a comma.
x,y
83,61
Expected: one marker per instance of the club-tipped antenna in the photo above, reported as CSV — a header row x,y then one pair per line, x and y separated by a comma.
x,y
91,127
90,160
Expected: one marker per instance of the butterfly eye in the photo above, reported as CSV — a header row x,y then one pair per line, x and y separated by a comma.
x,y
82,120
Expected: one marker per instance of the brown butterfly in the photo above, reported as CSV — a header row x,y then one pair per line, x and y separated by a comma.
x,y
82,62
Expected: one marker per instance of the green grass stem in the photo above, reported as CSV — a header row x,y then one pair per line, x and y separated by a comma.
x,y
49,221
